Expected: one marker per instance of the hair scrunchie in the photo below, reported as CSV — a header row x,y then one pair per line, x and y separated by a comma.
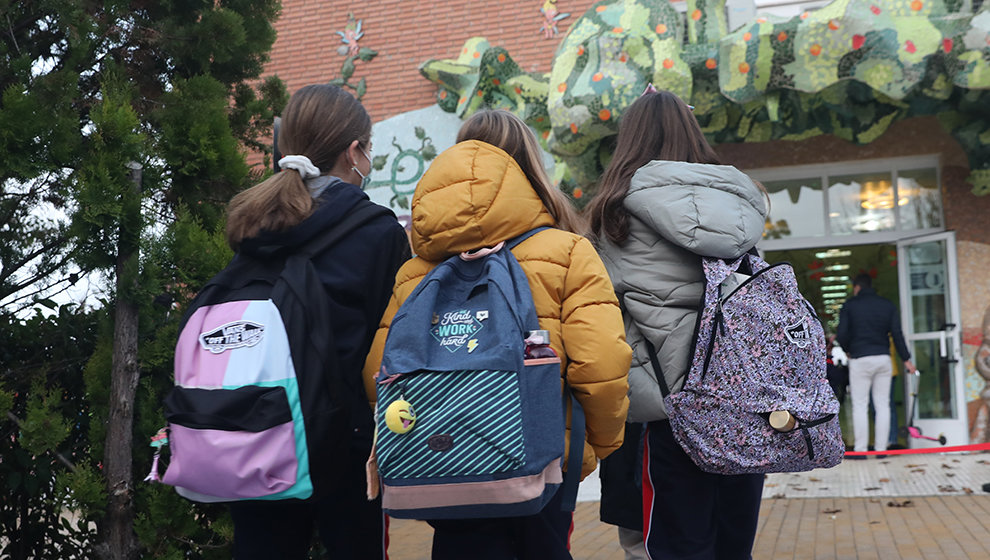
x,y
301,164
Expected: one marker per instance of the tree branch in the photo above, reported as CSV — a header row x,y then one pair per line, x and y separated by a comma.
x,y
6,272
41,290
61,458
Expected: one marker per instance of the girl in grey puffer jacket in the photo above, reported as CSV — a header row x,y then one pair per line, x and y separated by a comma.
x,y
664,202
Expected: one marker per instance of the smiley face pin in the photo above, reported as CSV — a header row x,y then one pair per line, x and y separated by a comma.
x,y
400,416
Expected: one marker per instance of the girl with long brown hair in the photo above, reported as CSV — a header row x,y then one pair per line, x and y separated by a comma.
x,y
325,134
664,202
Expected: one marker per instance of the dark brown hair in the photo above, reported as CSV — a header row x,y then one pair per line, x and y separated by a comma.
x,y
319,122
508,132
657,126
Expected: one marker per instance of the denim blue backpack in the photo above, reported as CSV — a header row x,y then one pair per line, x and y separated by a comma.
x,y
756,399
258,411
470,419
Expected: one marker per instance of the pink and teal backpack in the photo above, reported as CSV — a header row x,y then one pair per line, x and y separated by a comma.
x,y
258,411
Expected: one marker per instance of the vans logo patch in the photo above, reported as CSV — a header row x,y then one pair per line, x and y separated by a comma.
x,y
455,328
799,333
238,334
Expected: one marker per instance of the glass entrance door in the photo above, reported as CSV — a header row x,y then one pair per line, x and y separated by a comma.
x,y
930,319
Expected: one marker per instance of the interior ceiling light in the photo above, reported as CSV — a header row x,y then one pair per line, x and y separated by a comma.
x,y
878,195
833,254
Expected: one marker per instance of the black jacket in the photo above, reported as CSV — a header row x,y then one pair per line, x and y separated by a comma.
x,y
358,273
865,322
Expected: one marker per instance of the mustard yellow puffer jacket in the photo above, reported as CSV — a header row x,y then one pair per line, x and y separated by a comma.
x,y
475,195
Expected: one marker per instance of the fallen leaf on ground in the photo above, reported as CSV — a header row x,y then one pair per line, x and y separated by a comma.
x,y
905,503
871,488
830,511
884,480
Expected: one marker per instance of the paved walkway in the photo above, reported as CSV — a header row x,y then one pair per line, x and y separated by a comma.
x,y
901,507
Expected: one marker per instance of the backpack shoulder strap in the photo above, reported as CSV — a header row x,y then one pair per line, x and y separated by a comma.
x,y
655,362
341,229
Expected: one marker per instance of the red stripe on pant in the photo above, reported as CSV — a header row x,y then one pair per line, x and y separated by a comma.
x,y
647,489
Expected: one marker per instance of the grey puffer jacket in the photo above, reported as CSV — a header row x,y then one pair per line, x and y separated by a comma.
x,y
678,212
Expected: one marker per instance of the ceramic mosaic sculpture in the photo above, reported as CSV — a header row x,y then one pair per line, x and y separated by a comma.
x,y
981,361
849,69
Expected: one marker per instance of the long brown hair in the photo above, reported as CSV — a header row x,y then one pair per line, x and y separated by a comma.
x,y
506,131
319,122
657,126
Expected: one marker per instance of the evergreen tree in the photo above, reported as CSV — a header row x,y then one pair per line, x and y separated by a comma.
x,y
122,128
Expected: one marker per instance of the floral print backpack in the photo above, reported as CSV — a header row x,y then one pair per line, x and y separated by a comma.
x,y
756,398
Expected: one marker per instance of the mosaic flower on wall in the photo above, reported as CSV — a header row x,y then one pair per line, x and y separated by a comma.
x,y
550,18
849,69
349,36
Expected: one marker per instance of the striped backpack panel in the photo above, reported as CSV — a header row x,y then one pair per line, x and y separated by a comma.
x,y
486,443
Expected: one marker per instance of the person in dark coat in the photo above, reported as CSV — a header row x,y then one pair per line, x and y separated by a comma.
x,y
867,323
326,134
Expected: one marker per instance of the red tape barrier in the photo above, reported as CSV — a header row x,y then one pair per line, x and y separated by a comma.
x,y
950,449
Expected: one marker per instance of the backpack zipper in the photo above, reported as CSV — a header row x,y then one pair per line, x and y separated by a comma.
x,y
719,326
753,276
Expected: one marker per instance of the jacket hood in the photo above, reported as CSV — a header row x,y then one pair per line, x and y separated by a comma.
x,y
473,195
332,206
710,210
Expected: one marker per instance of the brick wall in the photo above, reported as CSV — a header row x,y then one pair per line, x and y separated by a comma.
x,y
407,33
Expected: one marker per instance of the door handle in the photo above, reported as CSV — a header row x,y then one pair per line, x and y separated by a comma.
x,y
942,344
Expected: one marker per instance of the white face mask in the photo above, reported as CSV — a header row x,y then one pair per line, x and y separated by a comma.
x,y
365,179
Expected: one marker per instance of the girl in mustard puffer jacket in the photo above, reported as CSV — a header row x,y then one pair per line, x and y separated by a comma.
x,y
488,188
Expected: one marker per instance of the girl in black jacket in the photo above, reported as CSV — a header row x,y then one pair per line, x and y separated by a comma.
x,y
326,134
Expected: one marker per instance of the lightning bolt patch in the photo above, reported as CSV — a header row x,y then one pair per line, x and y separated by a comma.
x,y
472,344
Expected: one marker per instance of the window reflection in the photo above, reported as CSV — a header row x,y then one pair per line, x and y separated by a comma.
x,y
867,202
861,203
923,201
936,384
795,209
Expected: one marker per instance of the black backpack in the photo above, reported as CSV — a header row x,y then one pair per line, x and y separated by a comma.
x,y
259,410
